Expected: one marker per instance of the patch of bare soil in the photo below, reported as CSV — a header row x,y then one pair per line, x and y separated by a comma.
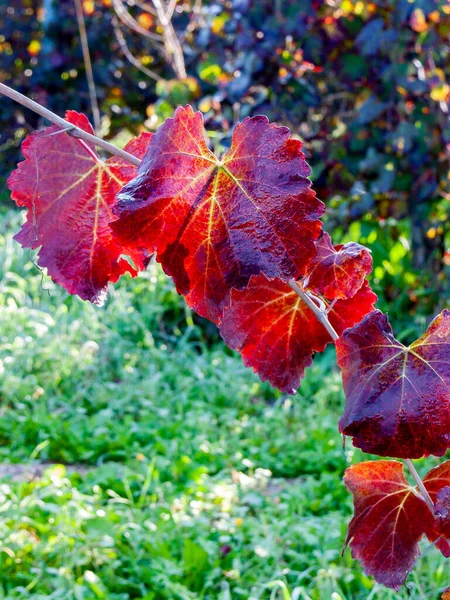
x,y
34,471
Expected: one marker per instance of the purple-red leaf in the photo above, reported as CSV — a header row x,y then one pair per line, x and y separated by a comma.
x,y
389,520
437,482
277,334
442,512
216,222
398,398
391,517
338,271
69,193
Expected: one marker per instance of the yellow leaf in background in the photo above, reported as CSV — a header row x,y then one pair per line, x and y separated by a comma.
x,y
145,20
33,48
88,7
205,105
347,6
440,92
440,73
418,21
435,16
218,23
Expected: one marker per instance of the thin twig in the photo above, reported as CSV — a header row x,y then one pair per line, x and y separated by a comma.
x,y
145,7
60,122
171,8
131,22
88,65
172,44
127,53
423,490
319,312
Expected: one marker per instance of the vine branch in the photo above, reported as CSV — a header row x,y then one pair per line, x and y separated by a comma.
x,y
423,490
172,44
322,317
128,54
319,312
65,126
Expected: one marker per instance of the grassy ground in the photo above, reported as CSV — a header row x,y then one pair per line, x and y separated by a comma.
x,y
184,477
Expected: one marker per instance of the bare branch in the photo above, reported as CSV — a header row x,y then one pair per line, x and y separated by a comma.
x,y
131,22
127,53
60,122
145,7
172,44
423,490
171,9
319,312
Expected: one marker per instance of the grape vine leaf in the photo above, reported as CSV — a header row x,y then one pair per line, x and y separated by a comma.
x,y
69,193
442,511
398,398
389,521
437,482
277,334
216,222
338,271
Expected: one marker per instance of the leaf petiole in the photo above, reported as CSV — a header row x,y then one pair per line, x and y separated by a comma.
x,y
314,304
423,490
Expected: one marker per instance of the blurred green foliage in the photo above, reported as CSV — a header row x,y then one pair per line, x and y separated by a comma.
x,y
364,84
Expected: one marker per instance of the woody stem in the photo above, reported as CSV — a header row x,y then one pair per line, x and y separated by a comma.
x,y
423,490
65,126
323,319
316,309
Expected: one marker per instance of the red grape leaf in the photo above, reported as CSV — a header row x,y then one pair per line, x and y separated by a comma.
x,y
346,313
389,520
69,193
277,334
338,271
398,398
215,222
437,482
442,512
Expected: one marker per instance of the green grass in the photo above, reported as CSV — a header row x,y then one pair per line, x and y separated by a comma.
x,y
190,479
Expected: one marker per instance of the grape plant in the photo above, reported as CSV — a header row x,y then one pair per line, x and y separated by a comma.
x,y
241,235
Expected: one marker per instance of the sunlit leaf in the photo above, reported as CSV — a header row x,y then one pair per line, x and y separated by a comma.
x,y
398,397
69,193
389,521
216,222
338,271
277,334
